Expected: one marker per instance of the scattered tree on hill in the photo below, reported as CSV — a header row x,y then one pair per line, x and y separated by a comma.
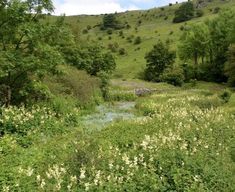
x,y
27,47
137,40
184,13
110,21
158,59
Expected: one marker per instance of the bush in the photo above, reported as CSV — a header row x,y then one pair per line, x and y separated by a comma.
x,y
109,31
216,10
76,84
226,95
122,51
137,40
113,47
173,76
84,31
199,13
189,72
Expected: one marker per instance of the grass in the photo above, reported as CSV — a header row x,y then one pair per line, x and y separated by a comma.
x,y
153,27
183,141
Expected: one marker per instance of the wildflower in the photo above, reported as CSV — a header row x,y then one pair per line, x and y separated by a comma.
x,y
38,178
29,171
110,165
42,183
82,173
73,179
87,186
5,188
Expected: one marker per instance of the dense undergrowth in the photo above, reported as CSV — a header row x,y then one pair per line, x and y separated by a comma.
x,y
184,141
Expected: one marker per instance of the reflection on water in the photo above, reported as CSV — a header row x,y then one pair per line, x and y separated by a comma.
x,y
108,113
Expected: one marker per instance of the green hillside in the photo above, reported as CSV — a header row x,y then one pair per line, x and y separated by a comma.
x,y
151,25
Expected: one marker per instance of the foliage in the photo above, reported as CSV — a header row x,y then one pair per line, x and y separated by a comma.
x,y
104,85
29,46
76,84
199,13
173,75
194,44
230,65
110,21
94,60
158,59
206,45
122,96
184,13
226,95
219,33
137,40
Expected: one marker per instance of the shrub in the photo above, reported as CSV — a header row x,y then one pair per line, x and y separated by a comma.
x,y
84,31
226,95
76,84
109,31
137,40
113,47
199,13
122,51
173,76
88,27
216,10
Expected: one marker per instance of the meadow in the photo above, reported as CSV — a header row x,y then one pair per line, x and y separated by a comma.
x,y
71,121
181,140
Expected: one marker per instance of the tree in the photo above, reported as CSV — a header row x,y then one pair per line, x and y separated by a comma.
x,y
194,44
158,59
94,60
110,21
220,29
184,13
26,50
230,65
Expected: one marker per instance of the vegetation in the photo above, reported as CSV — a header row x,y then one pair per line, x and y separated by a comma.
x,y
74,116
27,48
94,60
158,59
184,13
110,22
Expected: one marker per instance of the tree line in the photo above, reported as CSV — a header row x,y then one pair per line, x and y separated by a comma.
x,y
206,51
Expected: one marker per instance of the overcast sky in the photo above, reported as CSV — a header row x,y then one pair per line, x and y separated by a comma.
x,y
77,7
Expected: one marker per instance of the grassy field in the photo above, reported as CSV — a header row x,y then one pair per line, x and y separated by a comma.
x,y
182,140
172,139
155,24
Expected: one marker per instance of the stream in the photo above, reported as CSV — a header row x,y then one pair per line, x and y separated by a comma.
x,y
108,113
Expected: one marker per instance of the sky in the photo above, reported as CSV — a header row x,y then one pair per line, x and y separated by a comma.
x,y
79,7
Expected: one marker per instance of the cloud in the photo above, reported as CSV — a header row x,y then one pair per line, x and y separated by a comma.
x,y
78,7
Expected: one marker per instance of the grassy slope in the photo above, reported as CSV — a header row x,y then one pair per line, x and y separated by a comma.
x,y
154,27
